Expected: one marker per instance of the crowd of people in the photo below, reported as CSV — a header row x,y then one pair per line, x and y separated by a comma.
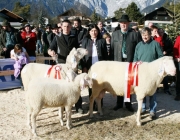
x,y
125,44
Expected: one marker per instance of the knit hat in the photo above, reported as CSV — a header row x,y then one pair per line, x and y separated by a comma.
x,y
5,23
48,25
27,25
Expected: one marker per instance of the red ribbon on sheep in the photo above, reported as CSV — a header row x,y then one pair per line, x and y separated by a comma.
x,y
57,72
131,78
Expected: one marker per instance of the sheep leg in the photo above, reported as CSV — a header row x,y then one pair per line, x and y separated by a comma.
x,y
61,110
68,115
138,120
33,118
29,119
91,106
98,100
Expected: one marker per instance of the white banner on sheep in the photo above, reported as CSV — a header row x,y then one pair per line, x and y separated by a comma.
x,y
9,81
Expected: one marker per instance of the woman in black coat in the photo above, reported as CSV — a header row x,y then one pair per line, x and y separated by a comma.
x,y
96,46
97,50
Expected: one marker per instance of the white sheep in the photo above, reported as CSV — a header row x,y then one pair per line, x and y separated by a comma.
x,y
110,76
33,70
49,92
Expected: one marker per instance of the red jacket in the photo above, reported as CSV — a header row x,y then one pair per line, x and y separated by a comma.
x,y
176,49
29,44
159,40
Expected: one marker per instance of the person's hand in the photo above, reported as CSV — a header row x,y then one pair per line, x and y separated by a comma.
x,y
164,52
157,34
51,53
177,59
28,37
4,49
16,58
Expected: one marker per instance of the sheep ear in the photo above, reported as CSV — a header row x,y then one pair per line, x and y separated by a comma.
x,y
73,62
161,70
75,53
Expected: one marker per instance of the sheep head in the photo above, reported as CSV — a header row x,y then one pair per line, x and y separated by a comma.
x,y
167,67
75,56
80,53
86,81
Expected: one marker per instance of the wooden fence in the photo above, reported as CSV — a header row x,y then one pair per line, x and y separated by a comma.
x,y
39,59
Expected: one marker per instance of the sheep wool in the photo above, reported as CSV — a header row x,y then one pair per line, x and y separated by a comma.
x,y
112,80
34,70
54,93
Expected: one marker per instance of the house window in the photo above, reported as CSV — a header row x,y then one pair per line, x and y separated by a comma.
x,y
165,18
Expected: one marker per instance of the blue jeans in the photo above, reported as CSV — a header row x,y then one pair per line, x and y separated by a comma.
x,y
39,46
177,64
152,103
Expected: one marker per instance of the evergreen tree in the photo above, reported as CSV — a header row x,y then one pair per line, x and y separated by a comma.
x,y
23,11
173,30
133,12
94,17
118,13
41,19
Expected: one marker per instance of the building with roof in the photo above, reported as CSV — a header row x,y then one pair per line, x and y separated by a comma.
x,y
71,14
160,14
14,19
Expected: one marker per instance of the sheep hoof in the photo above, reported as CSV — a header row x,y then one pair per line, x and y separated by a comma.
x,y
139,124
68,127
29,126
62,124
34,133
91,116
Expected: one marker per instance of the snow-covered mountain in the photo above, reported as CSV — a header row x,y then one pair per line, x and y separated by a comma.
x,y
102,7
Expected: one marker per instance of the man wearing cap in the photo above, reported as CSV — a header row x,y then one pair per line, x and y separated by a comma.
x,y
29,40
78,30
8,38
54,32
123,43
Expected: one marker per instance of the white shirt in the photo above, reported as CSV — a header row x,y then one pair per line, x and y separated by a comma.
x,y
94,53
19,55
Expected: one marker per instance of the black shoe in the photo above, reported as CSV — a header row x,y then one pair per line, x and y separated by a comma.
x,y
152,115
168,92
177,98
117,107
143,112
80,111
130,109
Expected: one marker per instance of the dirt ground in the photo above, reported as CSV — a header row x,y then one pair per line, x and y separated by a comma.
x,y
114,125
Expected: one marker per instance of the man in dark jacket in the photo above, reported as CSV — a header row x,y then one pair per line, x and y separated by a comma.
x,y
53,33
45,42
8,38
78,30
61,46
123,43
